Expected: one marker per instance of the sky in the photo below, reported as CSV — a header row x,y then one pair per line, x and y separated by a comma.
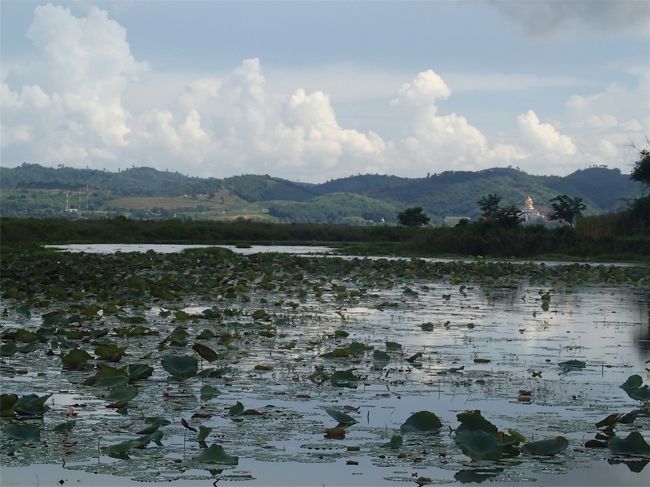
x,y
312,91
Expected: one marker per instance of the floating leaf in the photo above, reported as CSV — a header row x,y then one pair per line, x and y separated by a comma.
x,y
548,447
180,366
120,450
65,428
236,410
75,359
31,404
154,422
187,425
414,358
23,432
7,404
344,378
633,444
393,347
341,417
8,349
216,454
428,326
208,392
139,372
395,442
421,422
473,421
570,365
120,396
260,314
516,435
479,444
379,356
205,352
204,431
110,352
108,377
634,388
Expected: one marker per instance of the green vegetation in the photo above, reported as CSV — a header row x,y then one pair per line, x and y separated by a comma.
x,y
413,217
566,208
34,191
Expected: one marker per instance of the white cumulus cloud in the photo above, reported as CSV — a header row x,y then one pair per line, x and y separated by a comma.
x,y
544,136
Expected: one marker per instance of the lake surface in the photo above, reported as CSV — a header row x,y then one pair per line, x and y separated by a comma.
x,y
482,337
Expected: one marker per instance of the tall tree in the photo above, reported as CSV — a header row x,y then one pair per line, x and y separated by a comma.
x,y
489,206
508,216
641,171
413,217
566,208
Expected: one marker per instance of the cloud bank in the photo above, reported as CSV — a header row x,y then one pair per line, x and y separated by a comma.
x,y
70,104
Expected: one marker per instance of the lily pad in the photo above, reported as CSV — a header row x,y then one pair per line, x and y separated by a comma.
x,y
341,417
205,352
32,405
393,347
473,421
395,442
479,444
180,366
139,372
75,359
571,365
634,388
204,431
7,404
208,392
344,378
108,377
23,432
153,422
216,454
65,428
110,352
236,410
633,444
422,422
260,314
548,447
120,396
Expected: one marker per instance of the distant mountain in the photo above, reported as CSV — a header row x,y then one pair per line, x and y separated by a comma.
x,y
34,190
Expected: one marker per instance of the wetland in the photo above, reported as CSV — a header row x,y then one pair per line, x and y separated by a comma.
x,y
205,365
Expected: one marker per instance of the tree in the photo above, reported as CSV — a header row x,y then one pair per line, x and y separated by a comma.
x,y
508,216
413,217
489,206
566,208
641,171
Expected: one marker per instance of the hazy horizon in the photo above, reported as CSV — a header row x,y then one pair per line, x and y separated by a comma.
x,y
311,91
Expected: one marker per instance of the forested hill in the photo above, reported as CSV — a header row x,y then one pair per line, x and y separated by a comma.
x,y
140,192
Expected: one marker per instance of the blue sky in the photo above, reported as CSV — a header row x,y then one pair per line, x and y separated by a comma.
x,y
316,90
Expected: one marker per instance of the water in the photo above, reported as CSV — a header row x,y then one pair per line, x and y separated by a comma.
x,y
605,325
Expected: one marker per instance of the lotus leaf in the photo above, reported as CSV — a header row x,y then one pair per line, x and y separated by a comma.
x,y
180,366
139,371
341,417
32,405
479,444
75,359
236,410
341,334
110,352
395,442
120,396
120,450
216,454
393,347
7,404
213,373
570,365
422,422
342,352
428,326
344,378
65,428
154,423
23,432
548,447
633,444
379,356
634,388
8,349
143,441
260,314
204,431
108,377
205,352
473,420
516,435
208,392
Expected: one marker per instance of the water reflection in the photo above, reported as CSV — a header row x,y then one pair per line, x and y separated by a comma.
x,y
476,475
642,336
634,465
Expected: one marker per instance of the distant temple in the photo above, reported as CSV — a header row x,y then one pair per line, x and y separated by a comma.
x,y
529,213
